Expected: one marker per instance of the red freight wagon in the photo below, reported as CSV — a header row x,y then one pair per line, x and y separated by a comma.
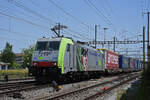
x,y
111,60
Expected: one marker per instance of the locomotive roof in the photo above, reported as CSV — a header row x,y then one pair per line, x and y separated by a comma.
x,y
50,39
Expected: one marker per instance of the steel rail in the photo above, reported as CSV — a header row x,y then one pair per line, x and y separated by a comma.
x,y
17,79
14,83
98,94
25,88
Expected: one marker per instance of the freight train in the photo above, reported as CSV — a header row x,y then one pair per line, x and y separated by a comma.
x,y
62,58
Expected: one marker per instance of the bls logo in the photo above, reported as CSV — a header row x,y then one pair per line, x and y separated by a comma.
x,y
112,59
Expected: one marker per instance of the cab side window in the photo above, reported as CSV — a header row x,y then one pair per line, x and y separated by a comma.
x,y
68,47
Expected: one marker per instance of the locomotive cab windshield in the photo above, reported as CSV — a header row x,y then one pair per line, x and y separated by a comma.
x,y
47,45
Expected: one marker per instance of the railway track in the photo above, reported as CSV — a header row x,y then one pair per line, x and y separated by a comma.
x,y
15,87
78,91
98,94
18,79
18,85
14,84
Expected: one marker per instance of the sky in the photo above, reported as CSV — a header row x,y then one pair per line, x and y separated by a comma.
x,y
22,22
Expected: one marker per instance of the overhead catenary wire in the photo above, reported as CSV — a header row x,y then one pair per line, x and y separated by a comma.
x,y
145,5
109,6
40,8
68,14
49,0
98,12
80,35
19,33
104,8
110,23
24,20
10,38
17,12
32,12
142,8
148,5
142,11
70,30
75,36
21,20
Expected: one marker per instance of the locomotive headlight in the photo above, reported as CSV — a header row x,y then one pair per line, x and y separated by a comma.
x,y
55,64
34,64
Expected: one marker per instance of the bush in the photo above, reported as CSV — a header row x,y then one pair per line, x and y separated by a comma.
x,y
14,73
15,65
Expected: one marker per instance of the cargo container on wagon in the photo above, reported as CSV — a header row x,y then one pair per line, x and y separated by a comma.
x,y
111,60
140,65
131,64
135,64
124,63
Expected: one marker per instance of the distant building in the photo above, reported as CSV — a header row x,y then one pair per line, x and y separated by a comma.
x,y
19,58
3,66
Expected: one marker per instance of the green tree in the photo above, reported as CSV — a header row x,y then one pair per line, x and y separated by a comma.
x,y
15,65
7,55
27,59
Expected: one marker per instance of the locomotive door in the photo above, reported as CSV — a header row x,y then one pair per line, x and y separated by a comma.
x,y
68,59
68,55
